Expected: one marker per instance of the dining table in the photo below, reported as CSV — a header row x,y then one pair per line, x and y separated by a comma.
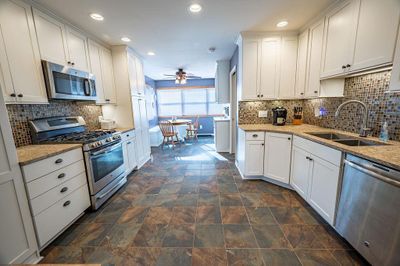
x,y
180,125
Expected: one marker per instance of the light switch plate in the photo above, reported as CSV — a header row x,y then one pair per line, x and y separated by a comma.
x,y
263,113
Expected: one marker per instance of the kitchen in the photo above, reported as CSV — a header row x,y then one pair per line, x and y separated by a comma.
x,y
304,108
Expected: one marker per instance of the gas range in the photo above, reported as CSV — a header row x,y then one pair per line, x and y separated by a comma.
x,y
102,150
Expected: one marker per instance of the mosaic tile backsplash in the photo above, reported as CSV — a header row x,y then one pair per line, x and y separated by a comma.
x,y
20,114
369,89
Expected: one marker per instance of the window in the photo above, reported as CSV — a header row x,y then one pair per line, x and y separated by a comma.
x,y
188,102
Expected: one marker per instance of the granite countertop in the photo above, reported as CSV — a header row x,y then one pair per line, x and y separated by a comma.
x,y
388,155
33,153
124,129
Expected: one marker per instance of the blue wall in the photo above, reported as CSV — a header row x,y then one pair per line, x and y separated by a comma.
x,y
205,122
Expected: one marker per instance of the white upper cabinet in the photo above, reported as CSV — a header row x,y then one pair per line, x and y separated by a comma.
x,y
314,59
340,32
101,67
21,75
107,72
270,59
395,76
288,66
77,49
301,71
222,93
136,75
60,44
250,67
140,77
51,36
378,24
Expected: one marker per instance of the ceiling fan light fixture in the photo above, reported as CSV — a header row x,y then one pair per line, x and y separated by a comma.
x,y
151,53
125,39
97,16
195,8
282,24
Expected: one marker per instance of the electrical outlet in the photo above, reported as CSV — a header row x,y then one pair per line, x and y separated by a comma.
x,y
201,127
263,113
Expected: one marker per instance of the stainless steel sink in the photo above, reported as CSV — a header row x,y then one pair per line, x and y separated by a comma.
x,y
345,139
359,142
330,135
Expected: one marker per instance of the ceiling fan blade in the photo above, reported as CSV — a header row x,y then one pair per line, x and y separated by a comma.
x,y
169,75
193,77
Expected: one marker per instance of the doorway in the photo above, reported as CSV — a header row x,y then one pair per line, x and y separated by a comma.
x,y
233,109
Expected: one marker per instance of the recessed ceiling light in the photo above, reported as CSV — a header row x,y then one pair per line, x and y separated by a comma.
x,y
195,8
96,16
151,53
282,24
125,39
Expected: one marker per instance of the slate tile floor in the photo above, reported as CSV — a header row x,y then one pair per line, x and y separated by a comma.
x,y
189,206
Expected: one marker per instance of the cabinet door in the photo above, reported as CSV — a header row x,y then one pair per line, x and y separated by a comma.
x,y
77,48
340,29
314,59
51,37
144,127
376,38
95,68
395,75
300,171
250,68
270,55
301,72
324,180
131,151
133,82
254,158
288,65
20,65
108,76
140,77
17,236
278,149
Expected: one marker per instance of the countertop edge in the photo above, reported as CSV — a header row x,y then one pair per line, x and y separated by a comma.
x,y
47,155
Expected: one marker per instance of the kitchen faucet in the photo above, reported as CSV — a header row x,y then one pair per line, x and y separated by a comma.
x,y
364,129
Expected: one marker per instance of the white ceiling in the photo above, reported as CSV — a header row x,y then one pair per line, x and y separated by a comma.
x,y
179,38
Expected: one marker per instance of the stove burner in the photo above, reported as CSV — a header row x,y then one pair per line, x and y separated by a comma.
x,y
83,137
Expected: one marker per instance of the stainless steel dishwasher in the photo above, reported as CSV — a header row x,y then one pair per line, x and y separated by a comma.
x,y
369,210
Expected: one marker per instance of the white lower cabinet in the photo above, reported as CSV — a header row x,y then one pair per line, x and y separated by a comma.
x,y
58,193
315,175
254,158
277,154
129,150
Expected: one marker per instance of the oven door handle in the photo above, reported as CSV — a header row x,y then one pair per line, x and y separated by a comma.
x,y
108,150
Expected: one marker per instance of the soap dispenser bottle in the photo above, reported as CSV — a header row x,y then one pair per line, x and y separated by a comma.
x,y
384,135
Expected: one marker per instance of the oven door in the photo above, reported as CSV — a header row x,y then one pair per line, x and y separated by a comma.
x,y
104,165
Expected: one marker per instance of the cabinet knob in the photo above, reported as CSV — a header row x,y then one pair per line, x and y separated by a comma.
x,y
20,95
289,138
315,91
262,144
64,189
255,135
13,95
73,63
129,142
107,100
62,175
262,95
68,202
348,65
343,67
69,62
302,93
367,244
59,161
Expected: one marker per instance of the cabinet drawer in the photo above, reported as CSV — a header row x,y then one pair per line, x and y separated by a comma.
x,y
255,135
328,154
47,182
53,220
128,135
51,164
47,199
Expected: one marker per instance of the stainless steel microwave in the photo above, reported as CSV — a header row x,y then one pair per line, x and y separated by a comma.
x,y
65,83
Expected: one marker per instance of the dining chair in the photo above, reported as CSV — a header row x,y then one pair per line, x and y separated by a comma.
x,y
168,131
193,129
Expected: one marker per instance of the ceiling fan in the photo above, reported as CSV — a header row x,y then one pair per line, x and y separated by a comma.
x,y
181,76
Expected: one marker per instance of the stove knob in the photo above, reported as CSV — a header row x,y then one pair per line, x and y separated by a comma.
x,y
116,137
108,139
93,145
99,143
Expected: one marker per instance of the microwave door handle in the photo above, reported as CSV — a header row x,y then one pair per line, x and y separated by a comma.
x,y
87,89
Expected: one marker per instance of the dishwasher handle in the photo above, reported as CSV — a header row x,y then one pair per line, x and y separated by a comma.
x,y
372,173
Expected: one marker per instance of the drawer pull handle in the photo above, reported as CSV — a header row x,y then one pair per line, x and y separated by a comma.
x,y
59,161
255,135
64,189
127,135
68,202
129,143
289,138
62,175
